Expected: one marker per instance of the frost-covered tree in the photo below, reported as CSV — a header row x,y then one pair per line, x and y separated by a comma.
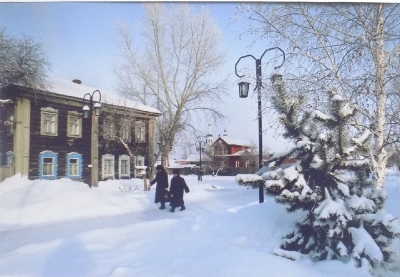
x,y
172,66
354,47
344,217
22,62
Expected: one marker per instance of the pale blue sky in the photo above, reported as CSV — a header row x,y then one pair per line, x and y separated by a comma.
x,y
80,40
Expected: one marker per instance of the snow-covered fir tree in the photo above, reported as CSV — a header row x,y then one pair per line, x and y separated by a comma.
x,y
344,217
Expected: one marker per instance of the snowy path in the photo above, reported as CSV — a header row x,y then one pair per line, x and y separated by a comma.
x,y
223,232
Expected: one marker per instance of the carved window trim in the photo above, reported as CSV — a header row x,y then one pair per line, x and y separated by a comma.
x,y
49,122
74,124
48,162
124,167
140,131
107,166
74,163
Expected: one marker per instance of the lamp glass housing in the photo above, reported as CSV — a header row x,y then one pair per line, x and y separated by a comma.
x,y
86,111
243,89
96,108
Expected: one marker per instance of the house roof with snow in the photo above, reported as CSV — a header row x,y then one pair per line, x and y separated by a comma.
x,y
195,157
238,153
69,88
233,141
174,164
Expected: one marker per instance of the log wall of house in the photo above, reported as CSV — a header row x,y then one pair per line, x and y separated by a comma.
x,y
115,147
60,144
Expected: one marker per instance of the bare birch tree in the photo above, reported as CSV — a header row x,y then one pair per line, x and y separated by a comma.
x,y
22,62
353,47
173,68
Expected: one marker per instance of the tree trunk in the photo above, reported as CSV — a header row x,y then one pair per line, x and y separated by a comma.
x,y
164,158
380,154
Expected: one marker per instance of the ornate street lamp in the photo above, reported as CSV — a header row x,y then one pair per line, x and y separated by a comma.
x,y
200,147
243,92
93,106
88,111
243,89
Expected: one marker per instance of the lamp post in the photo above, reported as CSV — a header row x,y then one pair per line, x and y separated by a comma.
x,y
243,93
92,112
200,147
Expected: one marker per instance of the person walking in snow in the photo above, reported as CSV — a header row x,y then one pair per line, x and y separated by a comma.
x,y
178,185
162,186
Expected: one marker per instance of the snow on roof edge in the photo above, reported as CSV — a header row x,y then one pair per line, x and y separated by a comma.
x,y
69,88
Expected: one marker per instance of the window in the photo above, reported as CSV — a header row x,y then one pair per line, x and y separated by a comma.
x,y
74,124
247,164
108,129
140,168
236,163
124,166
74,165
10,120
48,165
10,158
139,161
107,166
49,122
126,132
140,131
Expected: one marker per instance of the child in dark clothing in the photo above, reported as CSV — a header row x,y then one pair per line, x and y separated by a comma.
x,y
178,185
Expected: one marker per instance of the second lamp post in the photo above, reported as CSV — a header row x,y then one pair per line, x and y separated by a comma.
x,y
243,93
200,147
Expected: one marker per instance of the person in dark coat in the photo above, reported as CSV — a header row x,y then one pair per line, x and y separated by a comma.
x,y
162,185
178,185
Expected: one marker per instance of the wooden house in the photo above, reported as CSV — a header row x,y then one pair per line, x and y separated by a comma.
x,y
43,134
233,152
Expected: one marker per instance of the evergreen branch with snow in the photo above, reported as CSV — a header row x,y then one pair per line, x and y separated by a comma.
x,y
330,181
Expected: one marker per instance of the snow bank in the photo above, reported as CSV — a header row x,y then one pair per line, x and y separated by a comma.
x,y
24,201
223,231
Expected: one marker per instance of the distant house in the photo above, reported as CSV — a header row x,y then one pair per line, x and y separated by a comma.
x,y
233,152
184,168
230,154
43,134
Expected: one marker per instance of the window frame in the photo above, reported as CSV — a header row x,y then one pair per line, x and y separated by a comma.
x,y
10,158
237,163
139,160
78,117
48,111
127,159
140,131
48,154
125,132
78,157
107,157
10,119
108,128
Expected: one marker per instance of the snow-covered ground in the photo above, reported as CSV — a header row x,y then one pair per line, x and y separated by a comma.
x,y
64,228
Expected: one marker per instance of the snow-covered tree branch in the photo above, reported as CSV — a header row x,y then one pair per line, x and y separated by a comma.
x,y
353,47
22,62
344,218
172,68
